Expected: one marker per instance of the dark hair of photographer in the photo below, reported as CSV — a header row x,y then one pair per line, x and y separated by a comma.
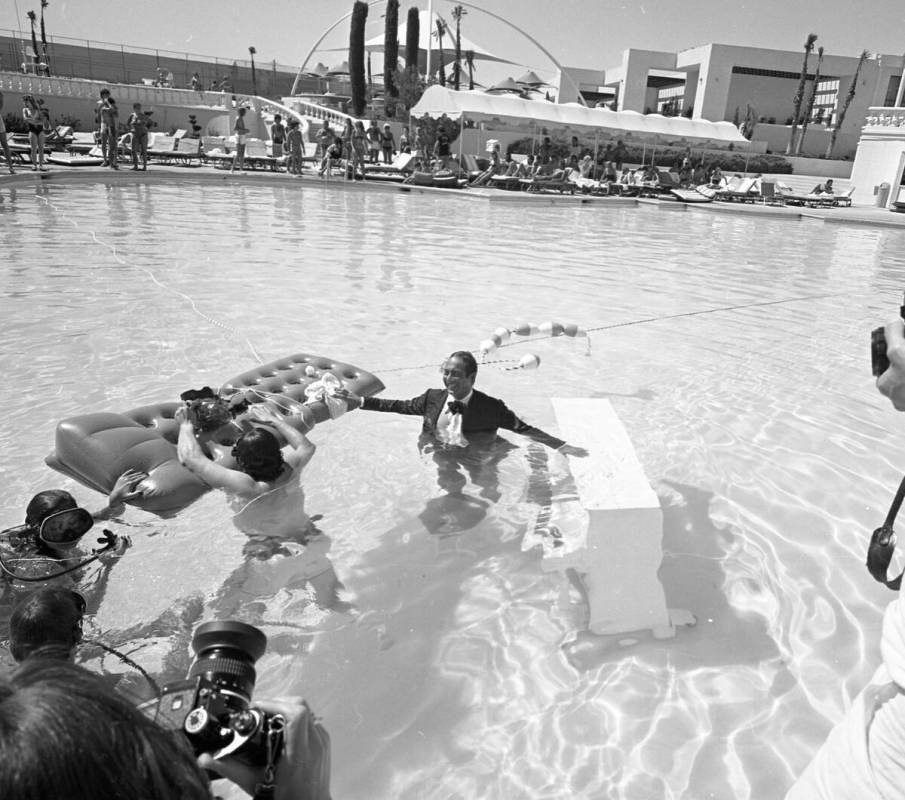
x,y
47,624
259,455
210,414
64,734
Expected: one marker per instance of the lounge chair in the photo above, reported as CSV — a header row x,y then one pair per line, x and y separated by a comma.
x,y
700,194
471,166
187,150
398,169
739,189
162,148
769,194
557,182
256,155
790,197
844,199
82,141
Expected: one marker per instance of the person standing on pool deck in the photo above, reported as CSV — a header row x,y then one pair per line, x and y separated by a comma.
x,y
138,125
35,116
109,116
4,143
241,131
459,413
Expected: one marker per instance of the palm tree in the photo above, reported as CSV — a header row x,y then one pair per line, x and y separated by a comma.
x,y
848,101
391,57
457,13
810,107
32,17
469,60
254,77
412,34
799,94
357,57
441,29
45,57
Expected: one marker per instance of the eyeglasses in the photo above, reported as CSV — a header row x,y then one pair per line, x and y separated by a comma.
x,y
65,527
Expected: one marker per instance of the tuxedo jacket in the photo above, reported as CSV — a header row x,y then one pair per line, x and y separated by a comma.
x,y
483,415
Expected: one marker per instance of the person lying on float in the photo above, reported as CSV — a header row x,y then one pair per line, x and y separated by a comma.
x,y
458,414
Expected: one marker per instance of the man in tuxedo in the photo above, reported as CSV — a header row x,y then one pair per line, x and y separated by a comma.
x,y
459,426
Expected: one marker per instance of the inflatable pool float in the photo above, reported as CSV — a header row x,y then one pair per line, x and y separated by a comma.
x,y
442,180
95,449
73,160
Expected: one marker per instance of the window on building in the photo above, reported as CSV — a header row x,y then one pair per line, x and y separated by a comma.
x,y
671,101
892,91
825,101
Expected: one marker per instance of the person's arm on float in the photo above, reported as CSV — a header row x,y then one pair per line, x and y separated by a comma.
x,y
892,382
192,457
509,421
303,448
303,772
127,487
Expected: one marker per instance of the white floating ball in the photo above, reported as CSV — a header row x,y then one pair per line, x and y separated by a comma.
x,y
488,346
503,334
529,361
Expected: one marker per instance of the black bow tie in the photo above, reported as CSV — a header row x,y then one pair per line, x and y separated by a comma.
x,y
456,407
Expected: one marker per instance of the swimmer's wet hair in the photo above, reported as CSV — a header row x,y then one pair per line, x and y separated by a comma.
x,y
471,366
258,455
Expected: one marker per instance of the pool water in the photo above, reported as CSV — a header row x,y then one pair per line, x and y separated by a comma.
x,y
454,666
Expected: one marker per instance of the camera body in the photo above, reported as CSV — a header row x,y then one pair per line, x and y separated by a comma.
x,y
212,706
879,363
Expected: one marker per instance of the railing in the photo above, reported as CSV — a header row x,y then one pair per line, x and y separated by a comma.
x,y
883,117
312,110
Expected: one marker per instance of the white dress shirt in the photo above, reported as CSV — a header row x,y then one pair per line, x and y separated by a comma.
x,y
449,426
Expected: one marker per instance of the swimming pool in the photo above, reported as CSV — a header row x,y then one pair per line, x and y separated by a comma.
x,y
462,669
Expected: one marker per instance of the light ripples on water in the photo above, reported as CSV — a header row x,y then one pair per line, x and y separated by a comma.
x,y
463,670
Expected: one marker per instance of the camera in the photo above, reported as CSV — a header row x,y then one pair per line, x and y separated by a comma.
x,y
879,363
212,706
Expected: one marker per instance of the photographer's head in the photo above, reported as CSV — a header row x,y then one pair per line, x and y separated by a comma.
x,y
210,414
64,733
47,624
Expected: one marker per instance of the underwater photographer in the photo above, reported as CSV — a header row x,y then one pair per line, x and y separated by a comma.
x,y
47,546
65,734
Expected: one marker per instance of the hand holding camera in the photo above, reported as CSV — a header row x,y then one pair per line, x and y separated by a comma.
x,y
888,357
271,749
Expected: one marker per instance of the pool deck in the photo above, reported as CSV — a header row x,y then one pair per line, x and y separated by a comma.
x,y
856,215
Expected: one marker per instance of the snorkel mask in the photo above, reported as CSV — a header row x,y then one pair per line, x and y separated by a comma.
x,y
883,544
59,531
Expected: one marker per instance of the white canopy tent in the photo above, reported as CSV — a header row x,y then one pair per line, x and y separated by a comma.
x,y
507,112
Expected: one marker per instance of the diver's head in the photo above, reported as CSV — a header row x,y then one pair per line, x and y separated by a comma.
x,y
47,624
459,372
45,504
258,455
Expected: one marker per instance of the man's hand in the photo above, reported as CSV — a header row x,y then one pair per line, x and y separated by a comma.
x,y
892,382
351,398
303,772
571,450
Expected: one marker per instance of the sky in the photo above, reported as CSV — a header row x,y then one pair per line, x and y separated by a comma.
x,y
579,33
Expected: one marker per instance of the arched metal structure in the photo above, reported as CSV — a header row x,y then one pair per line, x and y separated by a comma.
x,y
497,17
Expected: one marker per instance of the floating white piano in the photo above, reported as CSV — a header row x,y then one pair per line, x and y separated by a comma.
x,y
611,533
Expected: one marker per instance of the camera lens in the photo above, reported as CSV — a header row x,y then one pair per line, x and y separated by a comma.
x,y
226,653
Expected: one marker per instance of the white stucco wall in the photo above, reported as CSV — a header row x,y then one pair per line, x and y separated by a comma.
x,y
879,159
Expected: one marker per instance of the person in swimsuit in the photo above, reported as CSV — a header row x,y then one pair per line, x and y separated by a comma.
x,y
265,494
34,117
277,136
241,131
139,122
4,143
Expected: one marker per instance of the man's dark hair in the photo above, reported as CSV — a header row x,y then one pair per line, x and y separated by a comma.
x,y
64,733
47,623
105,92
471,366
